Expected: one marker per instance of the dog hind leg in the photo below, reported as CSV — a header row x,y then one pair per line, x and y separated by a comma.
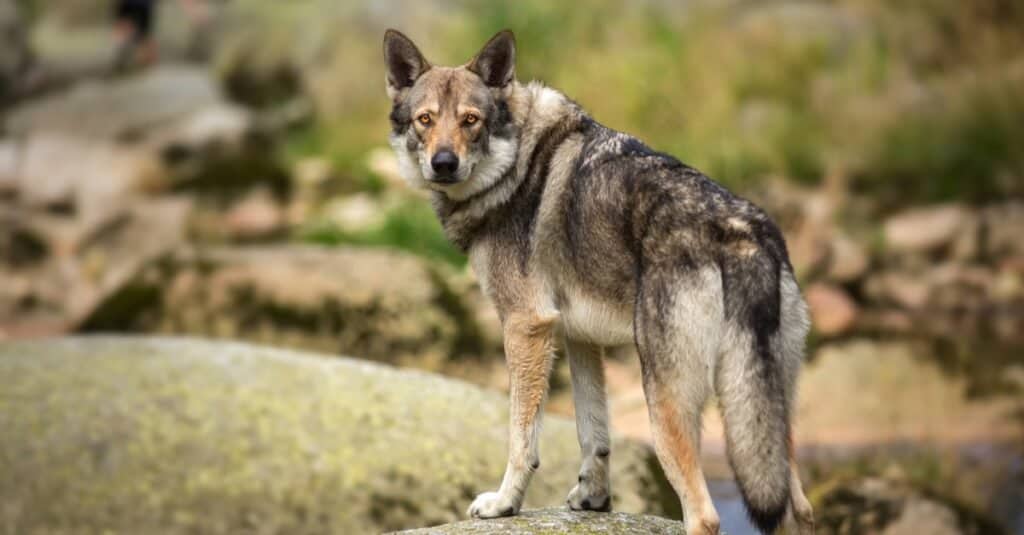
x,y
677,318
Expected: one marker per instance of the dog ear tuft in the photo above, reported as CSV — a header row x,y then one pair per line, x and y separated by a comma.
x,y
404,61
496,61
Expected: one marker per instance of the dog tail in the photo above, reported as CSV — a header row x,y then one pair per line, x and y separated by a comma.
x,y
755,384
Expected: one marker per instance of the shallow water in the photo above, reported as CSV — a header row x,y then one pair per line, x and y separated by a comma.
x,y
731,512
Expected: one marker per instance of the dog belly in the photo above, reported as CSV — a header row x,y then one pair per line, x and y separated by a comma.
x,y
587,319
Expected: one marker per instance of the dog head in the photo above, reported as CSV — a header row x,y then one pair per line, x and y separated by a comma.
x,y
451,126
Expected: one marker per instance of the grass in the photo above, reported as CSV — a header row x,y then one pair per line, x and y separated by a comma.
x,y
411,226
962,152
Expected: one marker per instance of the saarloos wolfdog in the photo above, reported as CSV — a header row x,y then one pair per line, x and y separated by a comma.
x,y
584,234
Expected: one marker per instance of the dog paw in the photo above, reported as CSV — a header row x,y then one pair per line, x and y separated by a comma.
x,y
582,498
492,505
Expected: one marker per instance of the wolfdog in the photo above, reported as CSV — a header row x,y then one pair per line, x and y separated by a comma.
x,y
584,234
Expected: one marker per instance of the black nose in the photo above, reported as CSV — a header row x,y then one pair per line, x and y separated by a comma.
x,y
445,162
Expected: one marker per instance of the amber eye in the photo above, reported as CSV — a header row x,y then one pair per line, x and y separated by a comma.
x,y
471,119
424,119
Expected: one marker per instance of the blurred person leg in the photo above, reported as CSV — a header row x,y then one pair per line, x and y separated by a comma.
x,y
202,17
133,27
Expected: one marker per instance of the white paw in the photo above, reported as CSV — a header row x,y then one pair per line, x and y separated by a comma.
x,y
583,498
492,505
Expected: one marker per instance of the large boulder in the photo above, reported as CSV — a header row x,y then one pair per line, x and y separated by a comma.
x,y
560,522
167,435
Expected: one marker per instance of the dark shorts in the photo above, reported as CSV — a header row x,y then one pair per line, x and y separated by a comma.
x,y
139,13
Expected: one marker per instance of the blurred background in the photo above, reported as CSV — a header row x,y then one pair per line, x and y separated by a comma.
x,y
228,177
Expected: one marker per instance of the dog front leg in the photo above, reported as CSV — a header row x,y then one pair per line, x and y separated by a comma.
x,y
529,353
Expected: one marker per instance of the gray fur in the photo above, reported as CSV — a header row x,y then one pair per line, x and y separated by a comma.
x,y
617,243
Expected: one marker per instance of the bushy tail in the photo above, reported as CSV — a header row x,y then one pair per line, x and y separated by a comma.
x,y
752,393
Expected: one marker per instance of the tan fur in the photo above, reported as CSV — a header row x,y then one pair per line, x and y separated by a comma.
x,y
681,460
529,349
446,91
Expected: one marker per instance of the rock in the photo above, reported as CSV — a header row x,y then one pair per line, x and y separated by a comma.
x,y
809,244
21,244
85,177
169,435
559,522
892,507
833,312
8,169
378,304
14,53
889,321
255,217
1004,229
312,172
924,229
102,142
903,289
849,261
966,246
120,108
74,265
353,213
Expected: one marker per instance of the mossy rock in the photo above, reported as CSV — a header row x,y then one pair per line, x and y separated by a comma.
x,y
381,305
560,522
170,435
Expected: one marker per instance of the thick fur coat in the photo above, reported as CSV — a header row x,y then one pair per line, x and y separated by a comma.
x,y
585,236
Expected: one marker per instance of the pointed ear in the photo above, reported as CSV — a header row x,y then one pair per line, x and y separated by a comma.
x,y
404,61
496,62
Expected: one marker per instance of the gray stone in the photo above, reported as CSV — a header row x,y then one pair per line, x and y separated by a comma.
x,y
893,506
924,229
560,522
848,262
111,109
163,435
1004,229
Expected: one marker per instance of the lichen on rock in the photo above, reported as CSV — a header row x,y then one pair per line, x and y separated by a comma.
x,y
560,522
170,435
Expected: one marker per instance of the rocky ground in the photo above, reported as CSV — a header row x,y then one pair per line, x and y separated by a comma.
x,y
560,522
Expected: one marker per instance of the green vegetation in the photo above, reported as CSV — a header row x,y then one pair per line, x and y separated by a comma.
x,y
905,101
411,226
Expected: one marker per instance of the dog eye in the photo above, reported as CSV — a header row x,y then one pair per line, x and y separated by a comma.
x,y
424,119
471,119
